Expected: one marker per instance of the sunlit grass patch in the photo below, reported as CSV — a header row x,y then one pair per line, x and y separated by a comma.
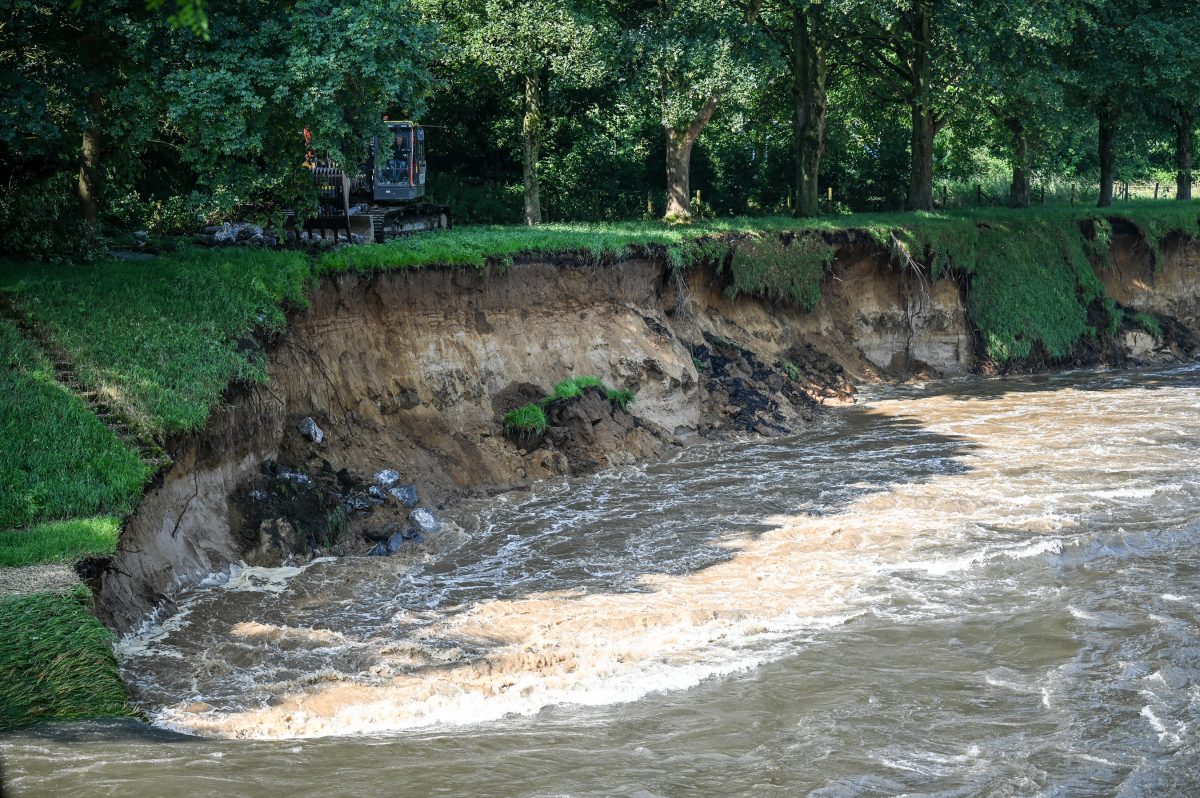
x,y
60,541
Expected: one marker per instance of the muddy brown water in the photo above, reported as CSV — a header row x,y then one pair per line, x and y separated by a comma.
x,y
973,588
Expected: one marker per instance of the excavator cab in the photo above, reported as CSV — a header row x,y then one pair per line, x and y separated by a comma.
x,y
399,163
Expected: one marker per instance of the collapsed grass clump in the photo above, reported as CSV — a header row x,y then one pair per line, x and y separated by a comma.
x,y
531,419
787,269
56,661
528,420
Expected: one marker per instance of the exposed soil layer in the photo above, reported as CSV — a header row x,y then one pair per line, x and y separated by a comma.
x,y
413,371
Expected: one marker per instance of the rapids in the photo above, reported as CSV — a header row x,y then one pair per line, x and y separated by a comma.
x,y
974,587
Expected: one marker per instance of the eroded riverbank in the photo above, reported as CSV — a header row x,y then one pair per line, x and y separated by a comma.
x,y
975,586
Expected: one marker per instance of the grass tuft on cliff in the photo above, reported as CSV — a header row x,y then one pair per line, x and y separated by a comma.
x,y
56,661
531,418
57,460
526,420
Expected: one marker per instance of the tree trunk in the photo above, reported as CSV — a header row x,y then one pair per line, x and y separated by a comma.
x,y
1018,193
532,128
809,73
1108,155
920,185
679,162
89,163
1183,155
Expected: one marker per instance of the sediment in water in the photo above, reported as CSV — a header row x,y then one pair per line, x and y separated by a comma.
x,y
412,371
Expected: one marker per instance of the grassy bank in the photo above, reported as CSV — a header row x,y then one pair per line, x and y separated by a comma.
x,y
56,661
159,341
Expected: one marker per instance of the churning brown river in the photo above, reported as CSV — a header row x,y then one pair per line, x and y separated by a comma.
x,y
975,588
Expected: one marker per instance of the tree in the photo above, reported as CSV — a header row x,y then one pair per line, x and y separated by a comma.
x,y
805,31
914,44
690,54
239,103
531,44
1169,38
1018,77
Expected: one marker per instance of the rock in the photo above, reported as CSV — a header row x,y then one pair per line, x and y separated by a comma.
x,y
258,495
405,494
276,540
387,477
294,477
376,493
378,550
357,504
141,235
309,429
424,521
394,542
246,232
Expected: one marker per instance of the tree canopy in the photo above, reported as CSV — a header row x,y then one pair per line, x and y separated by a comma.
x,y
154,114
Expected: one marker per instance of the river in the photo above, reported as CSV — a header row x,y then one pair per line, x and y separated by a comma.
x,y
969,588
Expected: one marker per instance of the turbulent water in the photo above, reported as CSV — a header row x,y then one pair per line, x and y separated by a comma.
x,y
973,588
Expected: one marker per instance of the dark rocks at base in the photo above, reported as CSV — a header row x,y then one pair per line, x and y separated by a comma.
x,y
593,432
309,429
357,504
377,493
394,542
746,393
378,550
405,494
287,513
424,521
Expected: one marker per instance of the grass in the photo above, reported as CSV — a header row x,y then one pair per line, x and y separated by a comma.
x,y
58,460
531,418
60,541
56,661
162,339
1148,323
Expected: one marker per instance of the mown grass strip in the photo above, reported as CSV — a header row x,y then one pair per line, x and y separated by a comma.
x,y
60,541
56,661
57,459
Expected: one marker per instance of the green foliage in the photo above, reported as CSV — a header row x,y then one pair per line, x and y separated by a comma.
x,y
782,269
58,460
1148,323
621,398
56,661
275,69
1031,283
530,419
162,339
571,389
60,541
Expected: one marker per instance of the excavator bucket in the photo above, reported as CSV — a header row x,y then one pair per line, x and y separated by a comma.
x,y
337,219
